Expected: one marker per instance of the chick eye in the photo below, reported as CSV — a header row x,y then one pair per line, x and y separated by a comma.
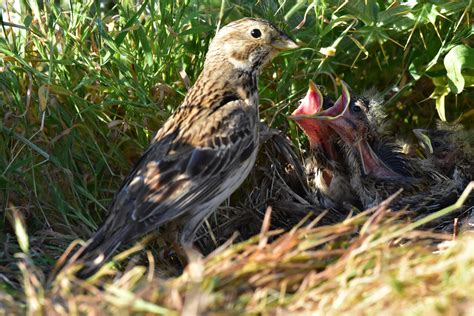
x,y
256,33
356,108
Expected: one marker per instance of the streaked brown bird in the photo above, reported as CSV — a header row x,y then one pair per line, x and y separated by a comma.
x,y
376,165
330,176
204,150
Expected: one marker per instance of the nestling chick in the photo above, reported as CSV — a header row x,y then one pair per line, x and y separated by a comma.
x,y
329,172
449,149
202,153
377,167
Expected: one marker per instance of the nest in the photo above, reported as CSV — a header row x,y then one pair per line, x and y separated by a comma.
x,y
278,185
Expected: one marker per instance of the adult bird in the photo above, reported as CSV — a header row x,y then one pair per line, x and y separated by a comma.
x,y
202,153
324,161
377,168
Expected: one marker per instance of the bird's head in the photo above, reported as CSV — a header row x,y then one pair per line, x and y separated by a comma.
x,y
354,120
343,116
444,147
249,44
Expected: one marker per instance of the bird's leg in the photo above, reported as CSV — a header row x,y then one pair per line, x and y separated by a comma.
x,y
174,241
180,254
190,230
183,247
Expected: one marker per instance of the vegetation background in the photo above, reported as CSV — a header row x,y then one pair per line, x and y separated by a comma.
x,y
85,84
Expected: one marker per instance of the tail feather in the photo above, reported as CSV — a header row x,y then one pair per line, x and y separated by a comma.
x,y
96,254
99,250
92,256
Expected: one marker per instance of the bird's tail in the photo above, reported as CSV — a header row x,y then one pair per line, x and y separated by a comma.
x,y
97,253
93,255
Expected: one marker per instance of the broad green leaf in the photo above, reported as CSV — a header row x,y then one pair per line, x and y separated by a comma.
x,y
439,94
396,18
432,15
27,21
428,13
458,58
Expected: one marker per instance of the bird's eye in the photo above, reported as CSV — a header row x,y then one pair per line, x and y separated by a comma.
x,y
356,108
436,144
256,33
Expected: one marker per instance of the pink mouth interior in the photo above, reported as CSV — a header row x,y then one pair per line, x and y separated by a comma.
x,y
311,104
371,163
339,106
317,131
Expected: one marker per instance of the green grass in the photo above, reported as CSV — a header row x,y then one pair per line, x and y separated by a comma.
x,y
84,88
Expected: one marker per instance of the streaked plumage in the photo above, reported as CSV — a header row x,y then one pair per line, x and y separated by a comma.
x,y
377,166
204,150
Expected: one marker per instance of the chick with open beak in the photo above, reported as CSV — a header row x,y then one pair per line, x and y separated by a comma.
x,y
347,117
376,166
330,176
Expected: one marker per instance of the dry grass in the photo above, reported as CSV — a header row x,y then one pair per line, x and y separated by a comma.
x,y
370,263
83,88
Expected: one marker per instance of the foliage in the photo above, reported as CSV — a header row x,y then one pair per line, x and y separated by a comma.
x,y
84,84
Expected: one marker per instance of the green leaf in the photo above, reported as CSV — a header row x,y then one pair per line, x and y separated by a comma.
x,y
428,13
134,19
440,107
197,30
414,72
458,58
145,45
27,21
440,92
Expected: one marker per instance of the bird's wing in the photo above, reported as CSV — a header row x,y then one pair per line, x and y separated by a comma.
x,y
187,165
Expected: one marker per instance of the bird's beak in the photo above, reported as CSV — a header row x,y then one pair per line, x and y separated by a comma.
x,y
316,132
284,42
424,140
339,108
336,117
371,163
311,104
